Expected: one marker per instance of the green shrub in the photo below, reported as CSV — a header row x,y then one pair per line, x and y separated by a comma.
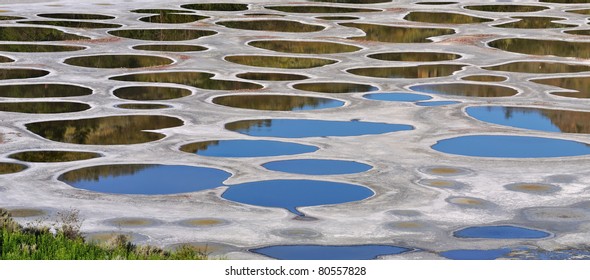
x,y
39,243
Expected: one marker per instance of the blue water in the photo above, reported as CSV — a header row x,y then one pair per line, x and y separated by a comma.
x,y
475,254
317,166
500,232
254,148
273,102
511,146
145,179
397,96
318,252
325,103
436,103
296,128
466,89
528,118
290,194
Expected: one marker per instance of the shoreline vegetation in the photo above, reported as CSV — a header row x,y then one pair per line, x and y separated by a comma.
x,y
64,241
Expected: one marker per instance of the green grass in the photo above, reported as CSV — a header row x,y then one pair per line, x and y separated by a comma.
x,y
39,243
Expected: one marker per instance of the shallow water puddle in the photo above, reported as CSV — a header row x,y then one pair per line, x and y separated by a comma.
x,y
308,9
397,96
142,106
246,148
533,188
113,130
508,146
10,18
202,80
445,171
216,7
397,34
43,107
118,61
21,73
8,168
581,11
415,56
170,48
406,226
162,34
272,25
484,78
53,156
577,86
149,179
33,48
508,8
42,90
441,183
36,34
465,89
335,87
500,232
77,16
285,62
317,166
539,67
535,23
263,15
272,102
533,118
550,47
476,254
321,252
338,18
203,222
444,18
267,76
72,24
469,202
4,59
305,47
408,72
299,128
291,194
160,11
172,18
133,222
150,93
435,3
584,32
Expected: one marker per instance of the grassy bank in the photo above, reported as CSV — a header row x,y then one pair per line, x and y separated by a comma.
x,y
67,243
